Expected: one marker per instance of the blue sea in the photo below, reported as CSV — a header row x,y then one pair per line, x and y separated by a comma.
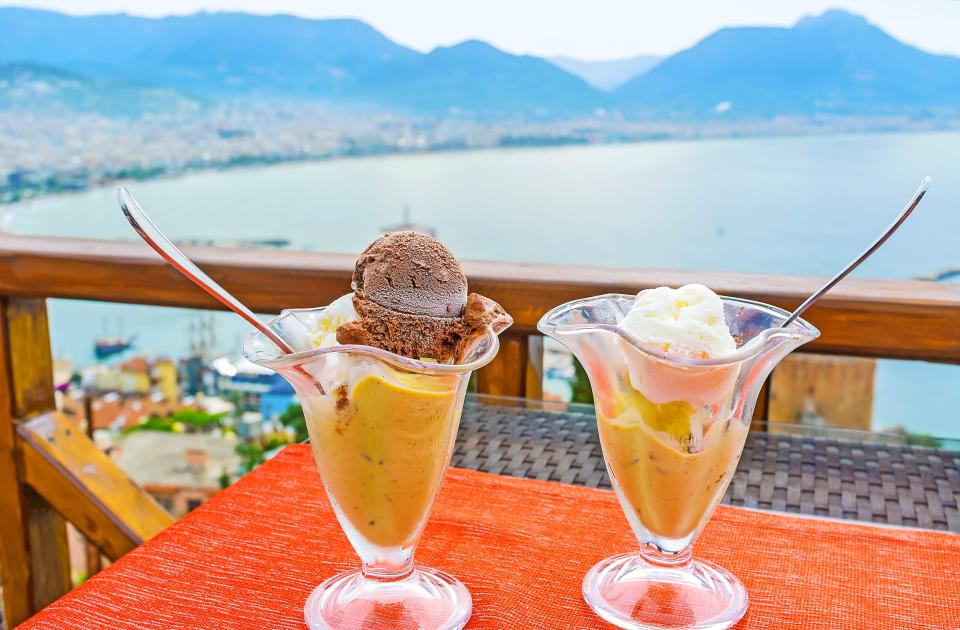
x,y
793,205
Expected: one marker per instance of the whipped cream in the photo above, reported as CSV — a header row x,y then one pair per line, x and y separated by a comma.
x,y
340,311
688,321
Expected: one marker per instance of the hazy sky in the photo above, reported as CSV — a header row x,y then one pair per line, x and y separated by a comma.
x,y
594,29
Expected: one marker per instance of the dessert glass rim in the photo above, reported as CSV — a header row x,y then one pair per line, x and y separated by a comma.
x,y
280,360
800,328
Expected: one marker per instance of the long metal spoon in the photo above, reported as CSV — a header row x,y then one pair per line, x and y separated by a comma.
x,y
163,246
853,264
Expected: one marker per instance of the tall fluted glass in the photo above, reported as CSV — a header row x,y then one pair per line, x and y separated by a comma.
x,y
672,430
382,428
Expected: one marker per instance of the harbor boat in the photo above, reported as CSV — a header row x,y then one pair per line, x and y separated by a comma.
x,y
407,224
108,347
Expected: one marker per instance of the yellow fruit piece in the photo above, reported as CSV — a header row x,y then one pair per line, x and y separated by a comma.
x,y
672,418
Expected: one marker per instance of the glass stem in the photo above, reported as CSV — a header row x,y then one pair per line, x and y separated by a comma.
x,y
386,571
652,554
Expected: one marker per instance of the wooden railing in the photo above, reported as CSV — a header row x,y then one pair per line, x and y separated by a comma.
x,y
40,488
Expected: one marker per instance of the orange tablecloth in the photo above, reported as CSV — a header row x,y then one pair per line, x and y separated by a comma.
x,y
249,558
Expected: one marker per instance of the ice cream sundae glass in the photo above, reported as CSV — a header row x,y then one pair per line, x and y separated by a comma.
x,y
675,375
381,374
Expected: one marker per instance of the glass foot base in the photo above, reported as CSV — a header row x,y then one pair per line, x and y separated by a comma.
x,y
630,592
426,599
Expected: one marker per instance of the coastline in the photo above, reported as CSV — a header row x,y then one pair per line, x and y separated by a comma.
x,y
695,134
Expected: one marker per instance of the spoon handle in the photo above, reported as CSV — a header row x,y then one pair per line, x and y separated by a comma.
x,y
853,264
163,246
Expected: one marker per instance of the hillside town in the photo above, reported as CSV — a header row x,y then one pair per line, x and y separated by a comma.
x,y
50,153
183,429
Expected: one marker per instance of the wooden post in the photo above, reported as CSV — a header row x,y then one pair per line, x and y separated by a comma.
x,y
92,558
506,375
762,410
815,389
534,380
34,559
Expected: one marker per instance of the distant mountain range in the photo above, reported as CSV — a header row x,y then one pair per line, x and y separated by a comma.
x,y
206,53
475,76
609,74
836,63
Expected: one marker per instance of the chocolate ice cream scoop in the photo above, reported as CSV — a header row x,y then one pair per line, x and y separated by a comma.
x,y
412,273
411,298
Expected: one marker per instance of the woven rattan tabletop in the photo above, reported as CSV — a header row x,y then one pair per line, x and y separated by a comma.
x,y
816,471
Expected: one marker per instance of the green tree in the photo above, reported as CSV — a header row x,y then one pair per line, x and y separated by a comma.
x,y
153,423
197,419
923,439
252,454
293,418
917,439
184,419
238,400
580,391
273,441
